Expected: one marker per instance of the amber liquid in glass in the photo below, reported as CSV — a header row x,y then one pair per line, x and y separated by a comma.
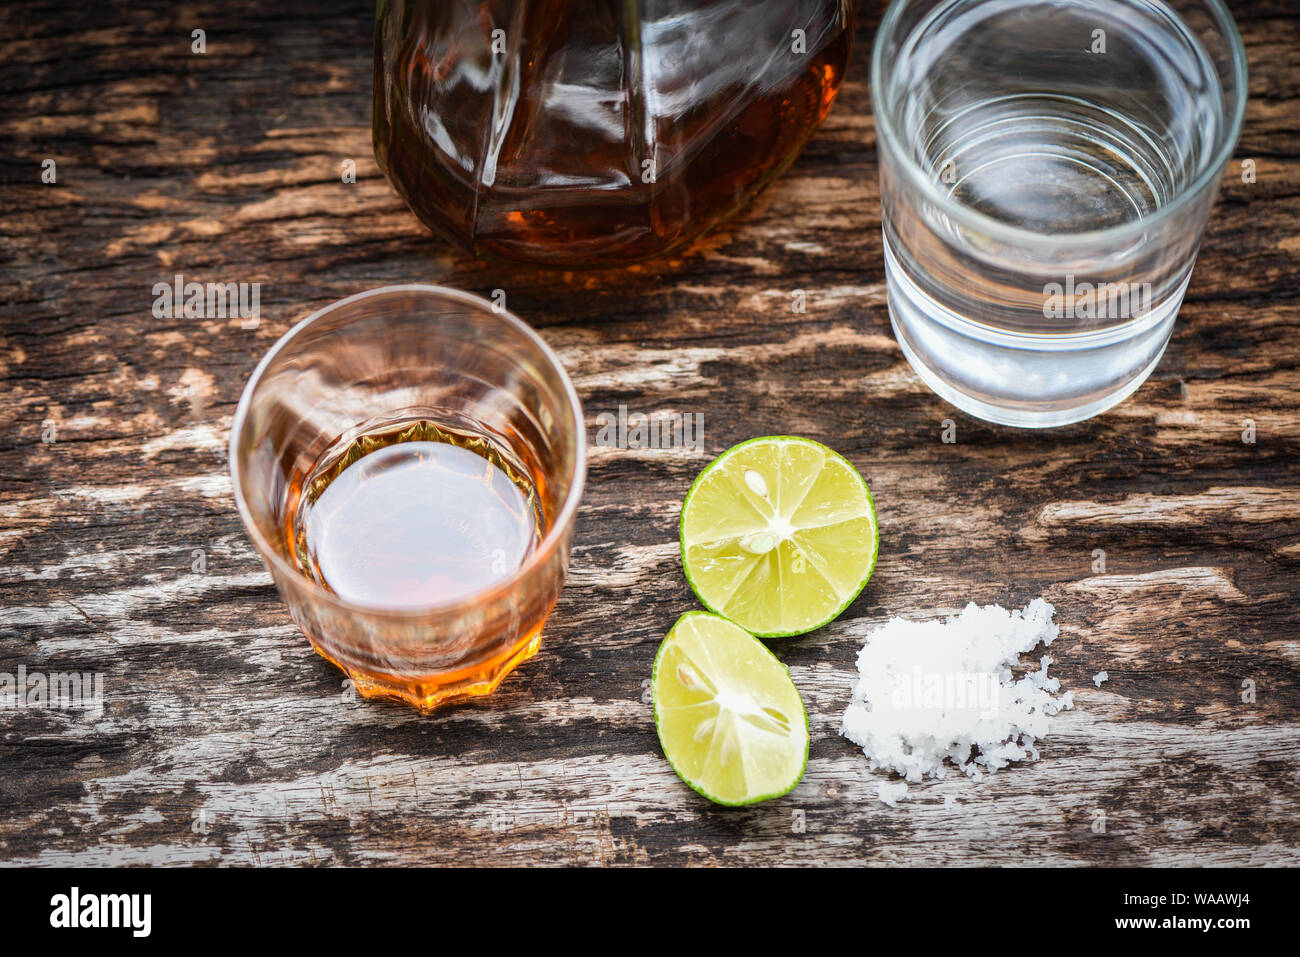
x,y
415,514
593,136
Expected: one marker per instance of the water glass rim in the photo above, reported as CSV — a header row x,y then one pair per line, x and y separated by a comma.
x,y
886,133
550,541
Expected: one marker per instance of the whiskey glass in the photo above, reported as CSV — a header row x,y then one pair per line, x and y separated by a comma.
x,y
404,353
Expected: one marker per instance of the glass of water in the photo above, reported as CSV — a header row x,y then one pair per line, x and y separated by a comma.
x,y
1047,168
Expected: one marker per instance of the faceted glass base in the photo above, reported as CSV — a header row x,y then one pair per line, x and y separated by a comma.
x,y
430,692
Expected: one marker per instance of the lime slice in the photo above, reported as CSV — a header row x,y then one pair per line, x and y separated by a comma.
x,y
779,535
730,720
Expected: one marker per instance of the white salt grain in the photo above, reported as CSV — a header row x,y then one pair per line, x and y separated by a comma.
x,y
891,794
1099,677
931,695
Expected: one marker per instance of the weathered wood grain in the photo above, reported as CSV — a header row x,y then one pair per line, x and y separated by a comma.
x,y
225,740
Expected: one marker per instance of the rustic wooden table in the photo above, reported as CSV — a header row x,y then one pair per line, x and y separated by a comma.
x,y
224,739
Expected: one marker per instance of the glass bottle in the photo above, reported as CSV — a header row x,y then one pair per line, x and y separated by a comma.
x,y
596,132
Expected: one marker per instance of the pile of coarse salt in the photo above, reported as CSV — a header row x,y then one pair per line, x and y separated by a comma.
x,y
930,692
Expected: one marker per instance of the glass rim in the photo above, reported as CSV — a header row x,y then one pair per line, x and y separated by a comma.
x,y
550,541
996,228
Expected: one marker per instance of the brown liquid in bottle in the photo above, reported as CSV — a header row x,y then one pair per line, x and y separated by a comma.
x,y
596,132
